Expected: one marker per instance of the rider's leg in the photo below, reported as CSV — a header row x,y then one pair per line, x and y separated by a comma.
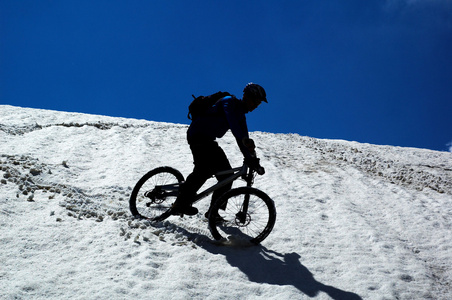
x,y
188,191
204,160
222,164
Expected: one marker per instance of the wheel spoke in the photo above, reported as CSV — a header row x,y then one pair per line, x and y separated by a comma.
x,y
146,201
254,224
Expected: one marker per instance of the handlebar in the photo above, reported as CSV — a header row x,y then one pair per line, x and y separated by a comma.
x,y
254,165
252,162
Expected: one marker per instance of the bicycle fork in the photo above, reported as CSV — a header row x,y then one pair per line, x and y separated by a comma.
x,y
242,217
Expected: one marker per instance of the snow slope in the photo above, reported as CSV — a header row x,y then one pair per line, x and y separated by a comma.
x,y
355,221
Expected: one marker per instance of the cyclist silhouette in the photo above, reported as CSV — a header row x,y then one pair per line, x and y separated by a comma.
x,y
208,157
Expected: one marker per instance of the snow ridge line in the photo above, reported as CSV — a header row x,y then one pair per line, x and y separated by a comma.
x,y
420,177
20,130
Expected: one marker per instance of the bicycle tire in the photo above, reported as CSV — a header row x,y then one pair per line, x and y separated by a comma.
x,y
256,225
143,207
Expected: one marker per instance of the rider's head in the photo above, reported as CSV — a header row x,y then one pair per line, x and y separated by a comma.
x,y
253,95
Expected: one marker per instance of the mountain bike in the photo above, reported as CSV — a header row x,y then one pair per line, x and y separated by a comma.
x,y
245,213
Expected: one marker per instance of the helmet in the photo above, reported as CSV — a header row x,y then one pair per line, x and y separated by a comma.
x,y
255,91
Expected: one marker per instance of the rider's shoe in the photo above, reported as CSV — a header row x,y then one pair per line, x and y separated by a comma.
x,y
179,209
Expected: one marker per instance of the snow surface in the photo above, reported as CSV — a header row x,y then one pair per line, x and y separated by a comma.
x,y
355,221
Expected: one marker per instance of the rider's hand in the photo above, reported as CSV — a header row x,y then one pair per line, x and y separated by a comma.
x,y
260,170
253,163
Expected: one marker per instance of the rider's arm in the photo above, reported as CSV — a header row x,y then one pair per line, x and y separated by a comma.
x,y
235,116
236,119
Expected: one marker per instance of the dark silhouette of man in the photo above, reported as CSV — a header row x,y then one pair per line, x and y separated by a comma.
x,y
209,158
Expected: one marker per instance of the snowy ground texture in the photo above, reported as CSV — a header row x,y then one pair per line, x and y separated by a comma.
x,y
355,221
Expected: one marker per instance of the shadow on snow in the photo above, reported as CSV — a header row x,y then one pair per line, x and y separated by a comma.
x,y
266,266
262,265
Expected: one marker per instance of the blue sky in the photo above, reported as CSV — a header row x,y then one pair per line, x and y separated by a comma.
x,y
370,71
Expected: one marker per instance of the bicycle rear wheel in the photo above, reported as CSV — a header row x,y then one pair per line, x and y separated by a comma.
x,y
250,215
150,202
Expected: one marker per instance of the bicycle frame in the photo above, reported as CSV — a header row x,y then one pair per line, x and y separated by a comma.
x,y
173,189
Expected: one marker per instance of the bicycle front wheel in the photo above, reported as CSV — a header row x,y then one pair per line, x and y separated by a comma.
x,y
250,215
148,200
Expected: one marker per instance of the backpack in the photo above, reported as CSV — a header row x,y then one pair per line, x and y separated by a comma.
x,y
200,105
